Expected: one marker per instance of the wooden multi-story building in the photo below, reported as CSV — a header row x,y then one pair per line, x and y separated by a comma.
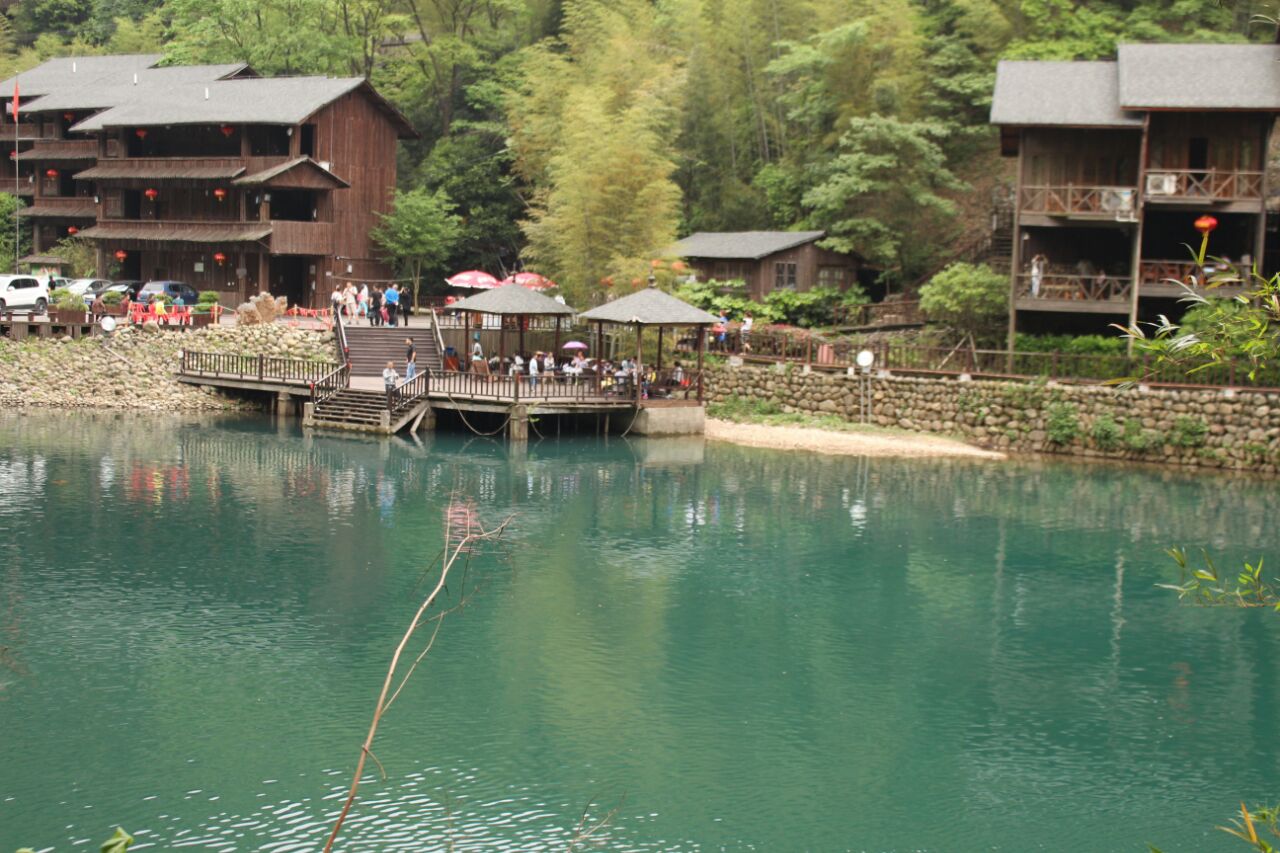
x,y
1116,160
207,174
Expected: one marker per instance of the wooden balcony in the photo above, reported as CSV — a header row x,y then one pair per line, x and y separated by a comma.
x,y
1075,293
1167,279
1200,185
301,238
56,150
1081,202
63,207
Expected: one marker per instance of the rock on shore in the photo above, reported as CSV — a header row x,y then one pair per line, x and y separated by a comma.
x,y
134,368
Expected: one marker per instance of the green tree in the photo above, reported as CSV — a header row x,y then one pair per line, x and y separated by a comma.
x,y
9,205
974,300
593,137
419,233
881,196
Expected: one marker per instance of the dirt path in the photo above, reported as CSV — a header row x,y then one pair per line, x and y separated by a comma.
x,y
842,443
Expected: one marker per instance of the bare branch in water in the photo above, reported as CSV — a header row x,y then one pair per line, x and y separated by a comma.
x,y
459,549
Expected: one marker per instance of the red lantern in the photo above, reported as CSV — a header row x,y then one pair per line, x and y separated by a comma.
x,y
13,155
121,254
51,173
141,133
227,130
72,230
219,193
1205,224
151,193
219,258
68,116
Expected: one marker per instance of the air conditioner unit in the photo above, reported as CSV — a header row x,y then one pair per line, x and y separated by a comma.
x,y
1162,184
1117,201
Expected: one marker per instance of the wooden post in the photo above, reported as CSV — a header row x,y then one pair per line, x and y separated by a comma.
x,y
635,379
1015,262
555,352
659,348
502,348
1135,262
702,345
599,341
521,319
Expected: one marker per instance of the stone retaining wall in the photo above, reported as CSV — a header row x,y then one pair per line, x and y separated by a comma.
x,y
1217,428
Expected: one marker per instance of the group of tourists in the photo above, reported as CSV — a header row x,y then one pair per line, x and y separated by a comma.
x,y
390,378
720,331
379,307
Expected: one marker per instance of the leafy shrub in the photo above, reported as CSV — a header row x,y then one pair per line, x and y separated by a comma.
x,y
1188,432
1140,440
1106,433
65,300
112,298
1062,424
1074,344
974,300
1222,319
208,297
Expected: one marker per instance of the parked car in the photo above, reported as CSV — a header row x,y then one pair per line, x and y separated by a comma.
x,y
130,286
23,293
81,286
172,289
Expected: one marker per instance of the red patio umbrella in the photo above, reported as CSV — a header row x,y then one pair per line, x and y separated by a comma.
x,y
474,279
531,280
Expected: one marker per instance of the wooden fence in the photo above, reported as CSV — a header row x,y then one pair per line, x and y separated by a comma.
x,y
259,368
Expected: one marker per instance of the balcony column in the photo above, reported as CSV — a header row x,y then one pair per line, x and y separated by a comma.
x,y
264,272
1015,262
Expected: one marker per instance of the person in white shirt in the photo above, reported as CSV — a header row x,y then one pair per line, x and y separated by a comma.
x,y
747,322
389,377
534,369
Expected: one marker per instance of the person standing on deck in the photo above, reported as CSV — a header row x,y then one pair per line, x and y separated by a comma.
x,y
410,359
375,306
535,367
389,377
392,299
747,322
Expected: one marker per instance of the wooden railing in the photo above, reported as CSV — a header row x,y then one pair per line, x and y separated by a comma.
x,y
1207,184
1088,288
999,364
260,368
1069,199
899,313
301,238
408,392
331,383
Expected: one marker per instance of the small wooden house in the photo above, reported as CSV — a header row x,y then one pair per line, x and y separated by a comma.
x,y
767,260
210,174
1116,161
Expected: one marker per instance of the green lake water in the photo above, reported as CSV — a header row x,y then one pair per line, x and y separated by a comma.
x,y
739,649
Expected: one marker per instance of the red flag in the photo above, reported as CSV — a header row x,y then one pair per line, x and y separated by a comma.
x,y
15,101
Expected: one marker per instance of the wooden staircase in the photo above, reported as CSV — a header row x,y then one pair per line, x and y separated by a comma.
x,y
352,409
370,348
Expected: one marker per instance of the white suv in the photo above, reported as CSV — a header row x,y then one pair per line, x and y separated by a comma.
x,y
23,293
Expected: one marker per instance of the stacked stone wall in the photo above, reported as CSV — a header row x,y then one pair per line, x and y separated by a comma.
x,y
1213,428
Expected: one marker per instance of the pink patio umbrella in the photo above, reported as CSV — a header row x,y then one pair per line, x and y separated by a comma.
x,y
531,280
574,345
474,279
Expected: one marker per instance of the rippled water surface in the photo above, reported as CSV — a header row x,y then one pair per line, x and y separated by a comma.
x,y
738,649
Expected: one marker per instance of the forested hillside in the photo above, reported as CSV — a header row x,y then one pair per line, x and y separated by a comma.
x,y
583,136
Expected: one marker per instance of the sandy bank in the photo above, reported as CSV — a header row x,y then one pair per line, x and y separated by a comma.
x,y
842,443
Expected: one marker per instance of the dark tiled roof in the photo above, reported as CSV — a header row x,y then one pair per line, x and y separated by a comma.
x,y
180,233
1200,76
151,170
649,307
510,299
82,210
56,74
741,244
267,175
42,260
1067,94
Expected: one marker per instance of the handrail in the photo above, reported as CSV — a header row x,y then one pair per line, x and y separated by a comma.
x,y
340,337
773,347
409,391
435,327
330,384
260,368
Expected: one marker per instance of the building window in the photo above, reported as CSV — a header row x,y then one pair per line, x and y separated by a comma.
x,y
831,277
784,276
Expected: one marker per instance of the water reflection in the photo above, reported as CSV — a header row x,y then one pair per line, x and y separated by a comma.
x,y
759,649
